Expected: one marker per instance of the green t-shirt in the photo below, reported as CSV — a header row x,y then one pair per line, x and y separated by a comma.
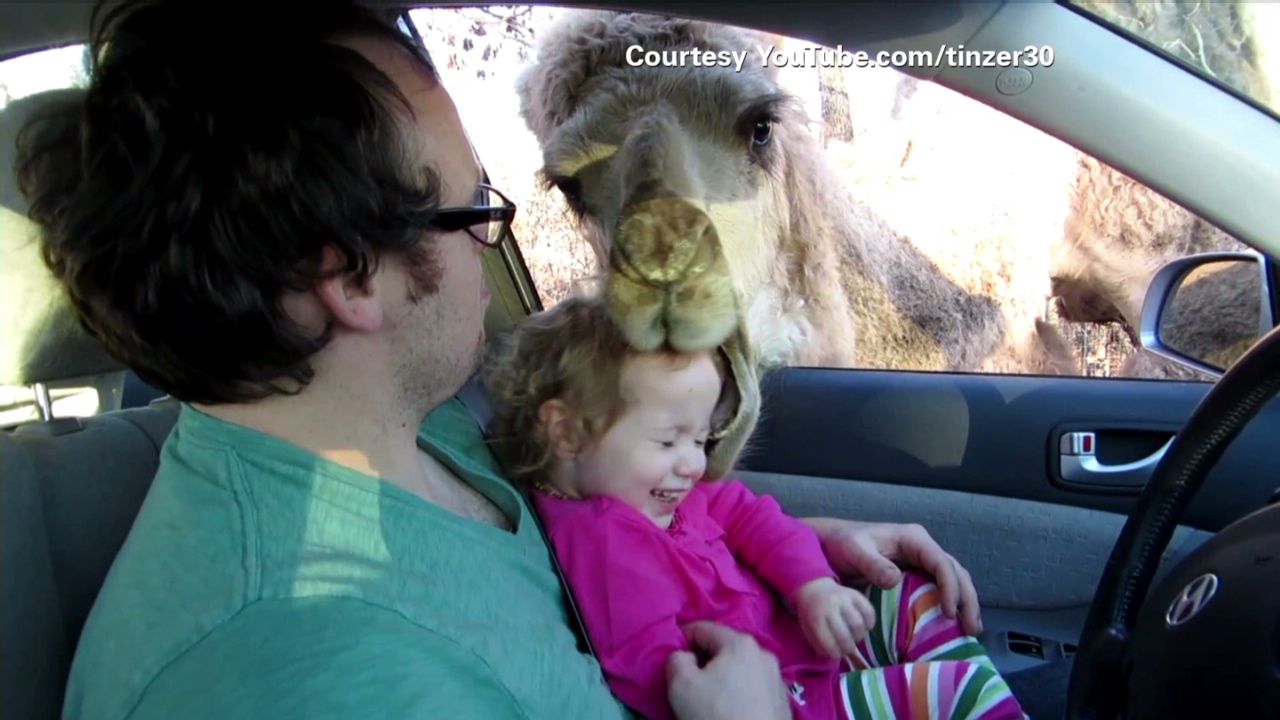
x,y
261,581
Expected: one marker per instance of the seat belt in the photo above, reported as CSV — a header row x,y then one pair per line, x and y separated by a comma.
x,y
475,399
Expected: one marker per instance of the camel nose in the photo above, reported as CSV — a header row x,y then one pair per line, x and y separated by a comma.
x,y
659,239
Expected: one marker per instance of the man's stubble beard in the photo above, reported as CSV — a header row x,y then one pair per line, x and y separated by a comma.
x,y
426,379
481,349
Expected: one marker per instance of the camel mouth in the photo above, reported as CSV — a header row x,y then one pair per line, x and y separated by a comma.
x,y
664,242
670,284
676,283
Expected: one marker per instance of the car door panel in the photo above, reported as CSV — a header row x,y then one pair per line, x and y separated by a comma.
x,y
996,435
975,459
1035,564
1023,554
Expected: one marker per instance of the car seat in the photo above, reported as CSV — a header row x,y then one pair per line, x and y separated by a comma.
x,y
70,487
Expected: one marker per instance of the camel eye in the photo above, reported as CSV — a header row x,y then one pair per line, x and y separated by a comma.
x,y
762,131
571,188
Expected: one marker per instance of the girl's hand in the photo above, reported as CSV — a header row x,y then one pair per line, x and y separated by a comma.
x,y
834,617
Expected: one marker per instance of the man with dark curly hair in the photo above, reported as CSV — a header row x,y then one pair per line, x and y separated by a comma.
x,y
276,216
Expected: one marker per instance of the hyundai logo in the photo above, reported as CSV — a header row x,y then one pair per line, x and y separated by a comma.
x,y
1192,599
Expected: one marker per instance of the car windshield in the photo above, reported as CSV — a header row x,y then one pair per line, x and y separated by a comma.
x,y
1236,44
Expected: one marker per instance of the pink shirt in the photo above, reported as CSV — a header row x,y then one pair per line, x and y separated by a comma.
x,y
636,584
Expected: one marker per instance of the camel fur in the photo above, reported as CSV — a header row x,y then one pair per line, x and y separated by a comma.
x,y
1117,235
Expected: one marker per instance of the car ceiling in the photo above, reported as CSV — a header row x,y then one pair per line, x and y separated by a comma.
x,y
1105,95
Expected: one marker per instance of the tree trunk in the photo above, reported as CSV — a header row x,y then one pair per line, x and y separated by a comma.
x,y
836,119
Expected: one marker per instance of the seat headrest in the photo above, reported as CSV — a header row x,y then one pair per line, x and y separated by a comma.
x,y
40,338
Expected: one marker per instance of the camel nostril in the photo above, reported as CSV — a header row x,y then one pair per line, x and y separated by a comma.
x,y
659,239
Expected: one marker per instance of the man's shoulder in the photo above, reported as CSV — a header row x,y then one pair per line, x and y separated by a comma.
x,y
452,430
322,657
450,420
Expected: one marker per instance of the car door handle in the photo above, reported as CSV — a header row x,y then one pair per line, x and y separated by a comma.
x,y
1078,463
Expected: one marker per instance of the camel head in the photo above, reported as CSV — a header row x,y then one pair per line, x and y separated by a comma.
x,y
674,172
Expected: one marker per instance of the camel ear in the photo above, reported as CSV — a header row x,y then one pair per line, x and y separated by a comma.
x,y
544,103
741,407
567,55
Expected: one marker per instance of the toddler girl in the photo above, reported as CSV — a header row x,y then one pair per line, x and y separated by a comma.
x,y
613,444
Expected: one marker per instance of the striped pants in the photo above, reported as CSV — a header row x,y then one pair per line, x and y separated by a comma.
x,y
916,663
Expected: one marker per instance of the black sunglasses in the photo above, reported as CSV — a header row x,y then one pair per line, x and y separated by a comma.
x,y
485,222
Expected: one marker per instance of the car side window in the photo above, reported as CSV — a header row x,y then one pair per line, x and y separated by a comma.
x,y
479,52
43,70
19,77
913,229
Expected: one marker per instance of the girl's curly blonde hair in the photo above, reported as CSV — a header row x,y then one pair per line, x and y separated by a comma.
x,y
572,352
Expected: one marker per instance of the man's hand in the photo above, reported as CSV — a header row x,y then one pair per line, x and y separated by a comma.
x,y
834,617
739,680
867,552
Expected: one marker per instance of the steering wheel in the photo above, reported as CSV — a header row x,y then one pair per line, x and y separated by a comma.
x,y
1098,681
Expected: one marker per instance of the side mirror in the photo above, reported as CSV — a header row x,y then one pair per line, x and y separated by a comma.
x,y
1204,311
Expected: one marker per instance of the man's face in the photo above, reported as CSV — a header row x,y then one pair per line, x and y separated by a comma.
x,y
437,339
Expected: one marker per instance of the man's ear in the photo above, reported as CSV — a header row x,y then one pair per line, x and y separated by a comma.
x,y
554,415
350,301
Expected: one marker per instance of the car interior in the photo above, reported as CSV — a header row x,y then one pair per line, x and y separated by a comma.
x,y
984,462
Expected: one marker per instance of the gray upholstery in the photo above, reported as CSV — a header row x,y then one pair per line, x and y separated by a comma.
x,y
70,488
69,491
40,340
